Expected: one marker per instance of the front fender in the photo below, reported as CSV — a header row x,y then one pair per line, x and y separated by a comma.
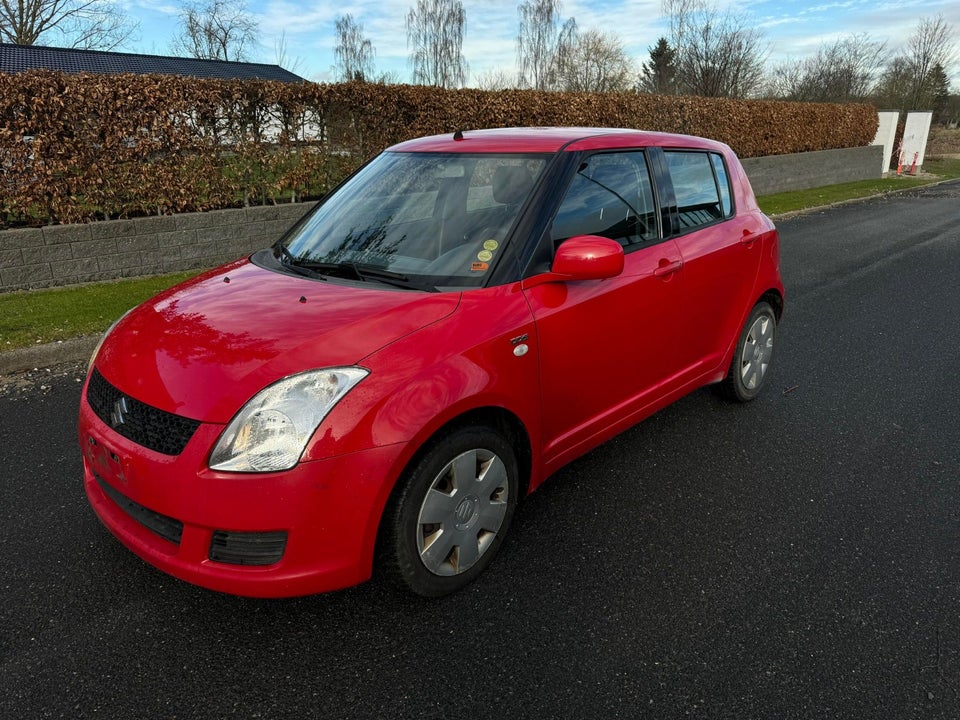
x,y
420,383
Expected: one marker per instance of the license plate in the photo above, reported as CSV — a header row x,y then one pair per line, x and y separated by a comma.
x,y
105,462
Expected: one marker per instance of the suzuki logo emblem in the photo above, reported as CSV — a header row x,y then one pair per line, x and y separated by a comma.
x,y
119,413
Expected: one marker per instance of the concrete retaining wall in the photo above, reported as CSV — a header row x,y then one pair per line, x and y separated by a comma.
x,y
57,255
68,254
800,171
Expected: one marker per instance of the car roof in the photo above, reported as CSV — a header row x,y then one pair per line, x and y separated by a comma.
x,y
549,140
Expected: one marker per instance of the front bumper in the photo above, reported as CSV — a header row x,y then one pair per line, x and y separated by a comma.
x,y
315,525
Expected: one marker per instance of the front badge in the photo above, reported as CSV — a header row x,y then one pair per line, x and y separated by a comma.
x,y
118,416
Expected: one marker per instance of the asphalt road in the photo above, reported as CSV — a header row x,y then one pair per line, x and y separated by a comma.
x,y
798,557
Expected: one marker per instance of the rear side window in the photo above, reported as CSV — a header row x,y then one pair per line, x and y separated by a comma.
x,y
701,186
609,196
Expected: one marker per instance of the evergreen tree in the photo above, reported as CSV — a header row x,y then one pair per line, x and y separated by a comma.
x,y
938,90
659,75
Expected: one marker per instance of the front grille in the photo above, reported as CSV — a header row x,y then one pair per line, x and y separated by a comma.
x,y
145,425
248,548
166,527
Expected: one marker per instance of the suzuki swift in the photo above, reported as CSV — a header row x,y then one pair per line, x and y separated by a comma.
x,y
460,318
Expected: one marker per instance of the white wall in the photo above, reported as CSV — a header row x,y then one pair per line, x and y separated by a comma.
x,y
886,133
915,134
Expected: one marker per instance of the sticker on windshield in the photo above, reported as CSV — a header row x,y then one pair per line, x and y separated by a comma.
x,y
491,245
479,267
484,256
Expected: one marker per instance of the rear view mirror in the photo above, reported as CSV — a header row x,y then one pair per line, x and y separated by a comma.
x,y
583,257
588,257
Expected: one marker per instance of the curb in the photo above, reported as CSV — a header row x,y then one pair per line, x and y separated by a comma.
x,y
76,349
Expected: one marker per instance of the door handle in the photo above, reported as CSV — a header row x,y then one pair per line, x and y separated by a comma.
x,y
748,238
666,267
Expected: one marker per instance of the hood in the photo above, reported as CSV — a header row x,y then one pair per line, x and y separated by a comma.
x,y
203,348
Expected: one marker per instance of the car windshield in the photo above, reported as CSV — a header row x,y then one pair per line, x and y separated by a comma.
x,y
428,218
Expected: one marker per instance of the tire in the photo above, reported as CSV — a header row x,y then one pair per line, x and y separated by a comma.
x,y
754,353
450,512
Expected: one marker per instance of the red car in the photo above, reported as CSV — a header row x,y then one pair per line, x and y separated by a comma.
x,y
464,315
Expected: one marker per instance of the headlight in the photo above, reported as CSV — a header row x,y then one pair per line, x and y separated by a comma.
x,y
272,429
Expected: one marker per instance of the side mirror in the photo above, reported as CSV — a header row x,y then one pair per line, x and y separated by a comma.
x,y
584,257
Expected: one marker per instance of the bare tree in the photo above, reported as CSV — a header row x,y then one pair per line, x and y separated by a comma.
x,y
354,52
536,41
435,37
930,45
85,24
216,30
595,62
719,54
281,54
496,79
659,76
914,79
390,77
842,71
895,84
565,49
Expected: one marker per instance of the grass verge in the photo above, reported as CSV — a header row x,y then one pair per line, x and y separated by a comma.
x,y
935,170
39,316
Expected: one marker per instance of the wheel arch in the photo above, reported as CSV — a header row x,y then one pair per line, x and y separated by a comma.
x,y
497,418
775,298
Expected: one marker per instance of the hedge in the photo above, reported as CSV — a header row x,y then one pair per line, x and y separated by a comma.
x,y
78,147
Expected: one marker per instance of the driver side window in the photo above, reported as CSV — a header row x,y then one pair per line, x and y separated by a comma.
x,y
609,196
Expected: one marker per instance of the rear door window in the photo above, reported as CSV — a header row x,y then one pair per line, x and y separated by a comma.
x,y
701,187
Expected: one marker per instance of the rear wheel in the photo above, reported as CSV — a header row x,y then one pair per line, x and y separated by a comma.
x,y
449,516
754,353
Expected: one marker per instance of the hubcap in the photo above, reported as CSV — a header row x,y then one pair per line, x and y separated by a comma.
x,y
757,352
462,512
467,512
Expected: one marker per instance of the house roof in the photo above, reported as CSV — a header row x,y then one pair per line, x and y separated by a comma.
x,y
20,58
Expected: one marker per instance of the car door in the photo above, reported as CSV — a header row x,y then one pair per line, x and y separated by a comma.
x,y
609,348
719,248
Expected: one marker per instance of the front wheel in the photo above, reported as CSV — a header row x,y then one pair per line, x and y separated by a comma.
x,y
449,515
754,353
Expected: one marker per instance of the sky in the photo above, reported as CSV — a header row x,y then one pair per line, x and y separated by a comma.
x,y
792,30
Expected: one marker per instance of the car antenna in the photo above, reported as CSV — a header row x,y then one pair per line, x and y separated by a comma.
x,y
458,135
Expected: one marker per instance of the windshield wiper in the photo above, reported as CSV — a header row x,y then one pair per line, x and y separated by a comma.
x,y
391,278
363,272
291,263
357,271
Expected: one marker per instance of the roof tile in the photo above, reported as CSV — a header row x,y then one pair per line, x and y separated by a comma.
x,y
20,58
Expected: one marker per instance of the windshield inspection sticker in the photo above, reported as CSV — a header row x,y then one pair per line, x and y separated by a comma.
x,y
479,267
484,256
491,245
